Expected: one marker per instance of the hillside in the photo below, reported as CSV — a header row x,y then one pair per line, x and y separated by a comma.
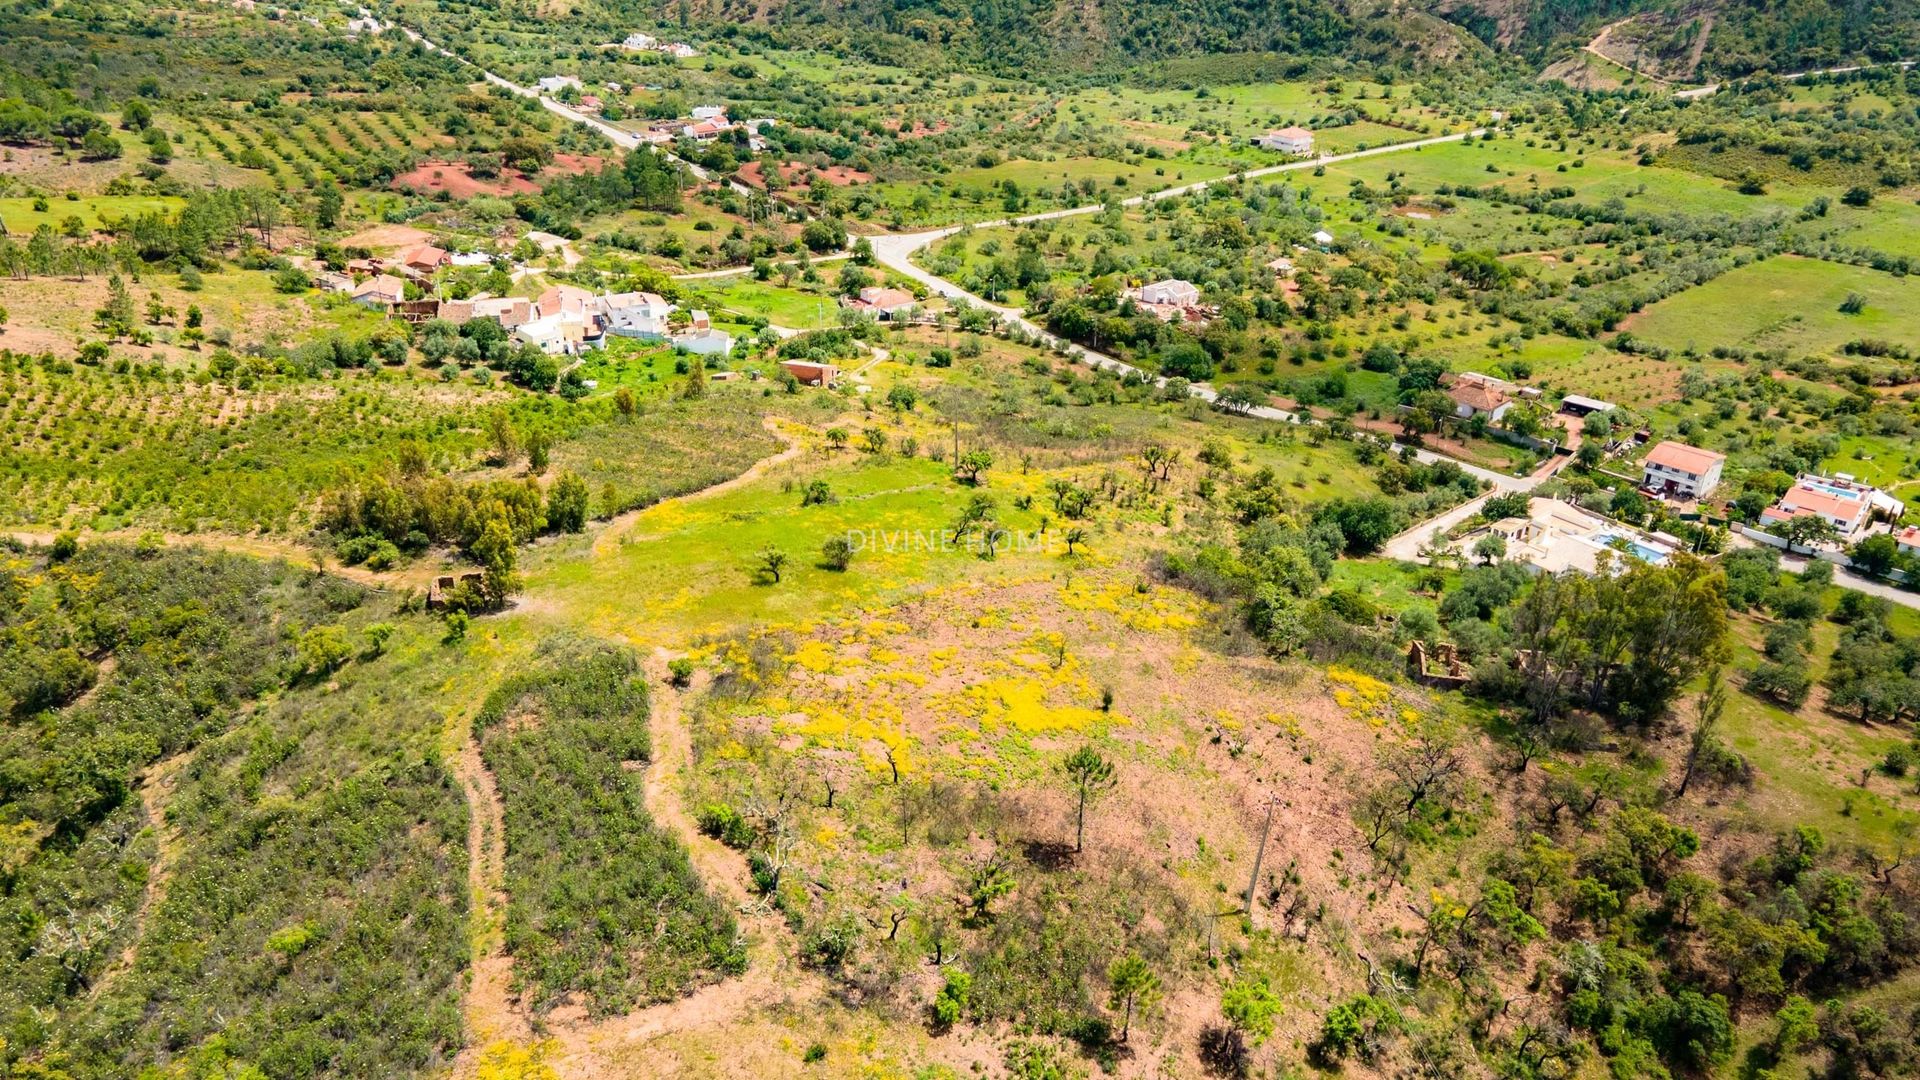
x,y
1704,38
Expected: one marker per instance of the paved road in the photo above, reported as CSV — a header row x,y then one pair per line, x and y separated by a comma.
x,y
893,251
621,137
1847,579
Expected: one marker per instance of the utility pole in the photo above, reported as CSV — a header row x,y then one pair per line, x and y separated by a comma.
x,y
1259,853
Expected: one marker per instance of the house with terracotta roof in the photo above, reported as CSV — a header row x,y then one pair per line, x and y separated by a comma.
x,y
1287,140
706,130
1908,540
383,291
509,311
1845,504
883,302
1676,469
566,300
422,258
1475,398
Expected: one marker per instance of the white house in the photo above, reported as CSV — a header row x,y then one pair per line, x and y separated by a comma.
x,y
1554,537
709,112
1287,140
636,315
708,342
1172,291
1674,468
679,50
553,84
638,40
561,334
1323,238
1473,397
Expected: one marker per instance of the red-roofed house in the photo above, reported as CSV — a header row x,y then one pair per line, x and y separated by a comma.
x,y
1908,539
380,292
1674,468
566,300
883,302
1474,398
1845,507
422,258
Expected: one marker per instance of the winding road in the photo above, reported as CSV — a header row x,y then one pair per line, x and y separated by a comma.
x,y
895,250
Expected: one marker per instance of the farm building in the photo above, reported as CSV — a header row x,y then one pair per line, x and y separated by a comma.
x,y
882,302
382,291
1172,292
706,342
810,373
1287,140
1580,405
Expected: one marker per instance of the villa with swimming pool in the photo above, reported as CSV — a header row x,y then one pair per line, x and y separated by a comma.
x,y
1555,537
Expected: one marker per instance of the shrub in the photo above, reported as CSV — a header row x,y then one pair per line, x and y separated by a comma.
x,y
724,823
950,1003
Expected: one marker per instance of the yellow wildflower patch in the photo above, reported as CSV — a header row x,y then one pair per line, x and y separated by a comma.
x,y
816,656
510,1061
1361,695
1022,705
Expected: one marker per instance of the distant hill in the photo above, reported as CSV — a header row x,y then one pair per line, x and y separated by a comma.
x,y
1034,36
1671,38
1700,39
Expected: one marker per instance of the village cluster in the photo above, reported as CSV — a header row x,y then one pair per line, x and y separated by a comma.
x,y
1555,536
565,320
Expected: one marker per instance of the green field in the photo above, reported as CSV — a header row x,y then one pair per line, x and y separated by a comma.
x,y
1786,303
18,216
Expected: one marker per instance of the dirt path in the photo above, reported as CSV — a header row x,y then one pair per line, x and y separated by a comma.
x,y
585,1049
156,790
418,575
493,1010
1699,44
1598,48
609,539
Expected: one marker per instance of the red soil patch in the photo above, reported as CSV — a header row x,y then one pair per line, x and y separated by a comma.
x,y
456,178
576,164
794,173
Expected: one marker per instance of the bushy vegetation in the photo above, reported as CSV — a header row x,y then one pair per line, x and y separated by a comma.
x,y
281,811
602,903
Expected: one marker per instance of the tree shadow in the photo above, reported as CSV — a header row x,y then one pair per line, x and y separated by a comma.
x,y
1048,854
